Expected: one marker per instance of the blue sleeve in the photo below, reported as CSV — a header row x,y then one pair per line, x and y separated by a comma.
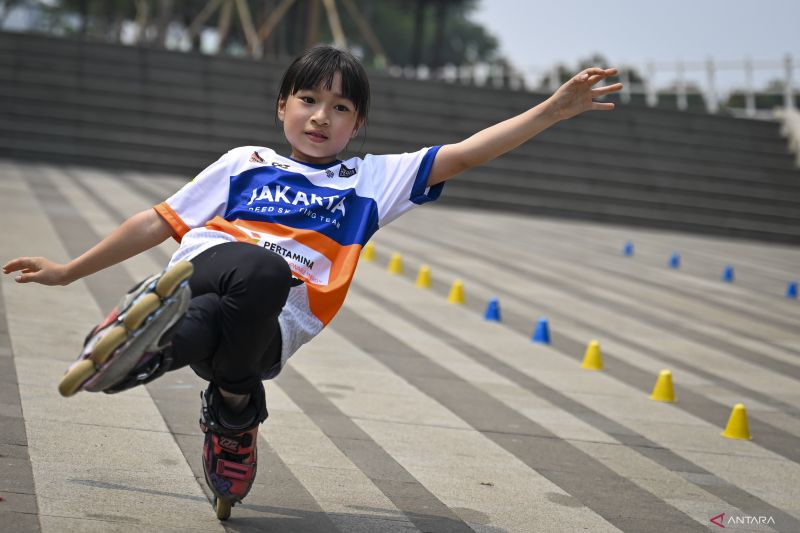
x,y
420,192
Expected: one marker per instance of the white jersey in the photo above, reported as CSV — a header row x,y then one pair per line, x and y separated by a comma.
x,y
317,217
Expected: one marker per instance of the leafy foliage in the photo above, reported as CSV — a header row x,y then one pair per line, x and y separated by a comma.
x,y
393,21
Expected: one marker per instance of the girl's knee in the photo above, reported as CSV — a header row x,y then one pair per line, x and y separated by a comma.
x,y
261,279
268,269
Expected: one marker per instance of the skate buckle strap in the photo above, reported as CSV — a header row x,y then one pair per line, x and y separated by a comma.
x,y
232,470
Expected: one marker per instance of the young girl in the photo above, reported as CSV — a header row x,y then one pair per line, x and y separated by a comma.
x,y
236,312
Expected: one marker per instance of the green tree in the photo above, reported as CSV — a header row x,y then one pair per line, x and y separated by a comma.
x,y
464,41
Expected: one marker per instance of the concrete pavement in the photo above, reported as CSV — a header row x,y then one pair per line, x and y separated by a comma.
x,y
413,414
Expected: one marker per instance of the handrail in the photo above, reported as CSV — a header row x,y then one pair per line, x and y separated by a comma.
x,y
790,128
684,84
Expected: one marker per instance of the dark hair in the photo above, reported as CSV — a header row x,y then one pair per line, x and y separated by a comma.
x,y
319,65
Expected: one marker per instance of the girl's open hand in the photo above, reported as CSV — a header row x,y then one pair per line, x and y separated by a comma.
x,y
37,270
577,94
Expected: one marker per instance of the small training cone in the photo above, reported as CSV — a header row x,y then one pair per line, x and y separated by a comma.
x,y
737,427
493,310
424,277
675,260
368,253
627,250
791,290
663,391
396,264
456,295
542,333
593,359
727,274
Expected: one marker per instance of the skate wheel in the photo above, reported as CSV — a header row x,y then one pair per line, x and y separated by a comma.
x,y
142,309
223,508
75,377
172,278
110,342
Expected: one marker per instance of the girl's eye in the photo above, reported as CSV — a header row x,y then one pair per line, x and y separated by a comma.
x,y
341,107
307,99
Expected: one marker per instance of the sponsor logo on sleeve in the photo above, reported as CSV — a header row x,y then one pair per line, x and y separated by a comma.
x,y
255,158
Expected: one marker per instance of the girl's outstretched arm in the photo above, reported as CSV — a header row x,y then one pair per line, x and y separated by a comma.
x,y
572,98
140,232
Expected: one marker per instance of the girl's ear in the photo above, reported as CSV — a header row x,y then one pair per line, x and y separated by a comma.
x,y
359,123
281,109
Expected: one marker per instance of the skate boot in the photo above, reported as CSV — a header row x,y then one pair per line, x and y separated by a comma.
x,y
133,340
229,449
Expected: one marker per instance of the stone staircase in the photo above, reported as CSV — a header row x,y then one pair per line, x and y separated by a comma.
x,y
137,108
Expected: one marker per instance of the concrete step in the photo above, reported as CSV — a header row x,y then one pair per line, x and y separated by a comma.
x,y
536,184
140,96
125,63
589,209
156,114
132,107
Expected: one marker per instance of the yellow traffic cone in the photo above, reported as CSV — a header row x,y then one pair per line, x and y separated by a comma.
x,y
369,252
593,359
456,295
737,427
396,264
424,277
663,391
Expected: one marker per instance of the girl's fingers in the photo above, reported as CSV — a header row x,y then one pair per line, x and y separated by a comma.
x,y
593,71
604,72
25,264
607,89
593,75
602,106
14,264
594,79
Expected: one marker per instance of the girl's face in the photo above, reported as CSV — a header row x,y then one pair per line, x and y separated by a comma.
x,y
318,123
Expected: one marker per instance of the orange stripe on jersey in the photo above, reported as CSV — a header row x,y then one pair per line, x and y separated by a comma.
x,y
179,227
325,297
220,224
326,300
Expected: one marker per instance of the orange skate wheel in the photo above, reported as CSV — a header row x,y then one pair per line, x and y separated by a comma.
x,y
173,277
110,342
75,377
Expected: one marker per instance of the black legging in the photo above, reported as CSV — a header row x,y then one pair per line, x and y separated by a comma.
x,y
230,333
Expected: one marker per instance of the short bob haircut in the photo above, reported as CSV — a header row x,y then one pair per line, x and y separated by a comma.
x,y
318,66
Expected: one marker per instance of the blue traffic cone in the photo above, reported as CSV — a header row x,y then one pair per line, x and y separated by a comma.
x,y
627,250
542,333
727,274
675,260
493,310
791,290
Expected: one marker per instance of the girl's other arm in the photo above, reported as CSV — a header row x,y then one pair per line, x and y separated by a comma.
x,y
140,232
572,98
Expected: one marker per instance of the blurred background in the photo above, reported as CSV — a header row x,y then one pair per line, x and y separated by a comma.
x,y
733,55
704,138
